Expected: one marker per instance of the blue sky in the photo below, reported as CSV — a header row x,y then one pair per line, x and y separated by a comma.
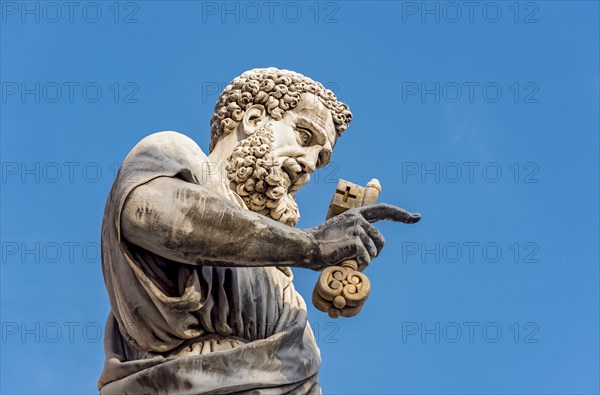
x,y
483,118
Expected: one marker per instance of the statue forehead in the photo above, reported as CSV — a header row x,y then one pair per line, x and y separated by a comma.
x,y
313,109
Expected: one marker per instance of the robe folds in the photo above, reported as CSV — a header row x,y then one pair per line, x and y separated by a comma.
x,y
178,328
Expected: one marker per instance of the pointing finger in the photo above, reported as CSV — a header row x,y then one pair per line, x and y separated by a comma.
x,y
384,211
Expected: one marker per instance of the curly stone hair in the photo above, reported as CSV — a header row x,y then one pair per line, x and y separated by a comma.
x,y
278,91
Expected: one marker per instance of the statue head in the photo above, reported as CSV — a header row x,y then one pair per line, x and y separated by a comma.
x,y
275,127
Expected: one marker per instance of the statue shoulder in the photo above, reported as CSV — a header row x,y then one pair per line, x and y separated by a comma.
x,y
167,149
170,142
169,153
163,154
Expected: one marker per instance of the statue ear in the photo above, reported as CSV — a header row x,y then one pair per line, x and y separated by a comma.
x,y
252,118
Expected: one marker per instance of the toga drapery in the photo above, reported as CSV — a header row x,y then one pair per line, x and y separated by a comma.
x,y
188,329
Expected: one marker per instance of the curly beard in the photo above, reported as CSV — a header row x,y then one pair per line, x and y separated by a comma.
x,y
261,181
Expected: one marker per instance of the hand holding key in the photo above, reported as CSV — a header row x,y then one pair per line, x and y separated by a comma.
x,y
348,239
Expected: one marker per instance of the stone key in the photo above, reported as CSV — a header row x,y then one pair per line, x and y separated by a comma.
x,y
342,290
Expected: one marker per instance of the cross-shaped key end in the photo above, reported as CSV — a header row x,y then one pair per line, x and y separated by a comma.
x,y
347,195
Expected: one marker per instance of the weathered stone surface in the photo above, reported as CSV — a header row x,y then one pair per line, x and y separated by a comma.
x,y
197,250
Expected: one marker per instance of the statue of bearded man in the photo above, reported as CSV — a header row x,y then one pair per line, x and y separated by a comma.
x,y
197,250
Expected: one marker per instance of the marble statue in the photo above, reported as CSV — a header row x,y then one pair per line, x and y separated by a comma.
x,y
197,250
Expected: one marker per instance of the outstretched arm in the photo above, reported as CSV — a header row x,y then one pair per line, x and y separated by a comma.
x,y
192,224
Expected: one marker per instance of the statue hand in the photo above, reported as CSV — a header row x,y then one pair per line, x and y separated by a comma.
x,y
350,235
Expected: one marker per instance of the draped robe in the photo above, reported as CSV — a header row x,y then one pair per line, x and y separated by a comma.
x,y
196,329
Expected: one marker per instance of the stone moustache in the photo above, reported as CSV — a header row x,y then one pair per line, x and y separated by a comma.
x,y
197,263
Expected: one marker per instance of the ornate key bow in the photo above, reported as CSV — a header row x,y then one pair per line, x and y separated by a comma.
x,y
342,290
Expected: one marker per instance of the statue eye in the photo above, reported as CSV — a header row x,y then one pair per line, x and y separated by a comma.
x,y
305,136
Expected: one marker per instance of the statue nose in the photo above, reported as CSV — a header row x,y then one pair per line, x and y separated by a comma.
x,y
309,160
